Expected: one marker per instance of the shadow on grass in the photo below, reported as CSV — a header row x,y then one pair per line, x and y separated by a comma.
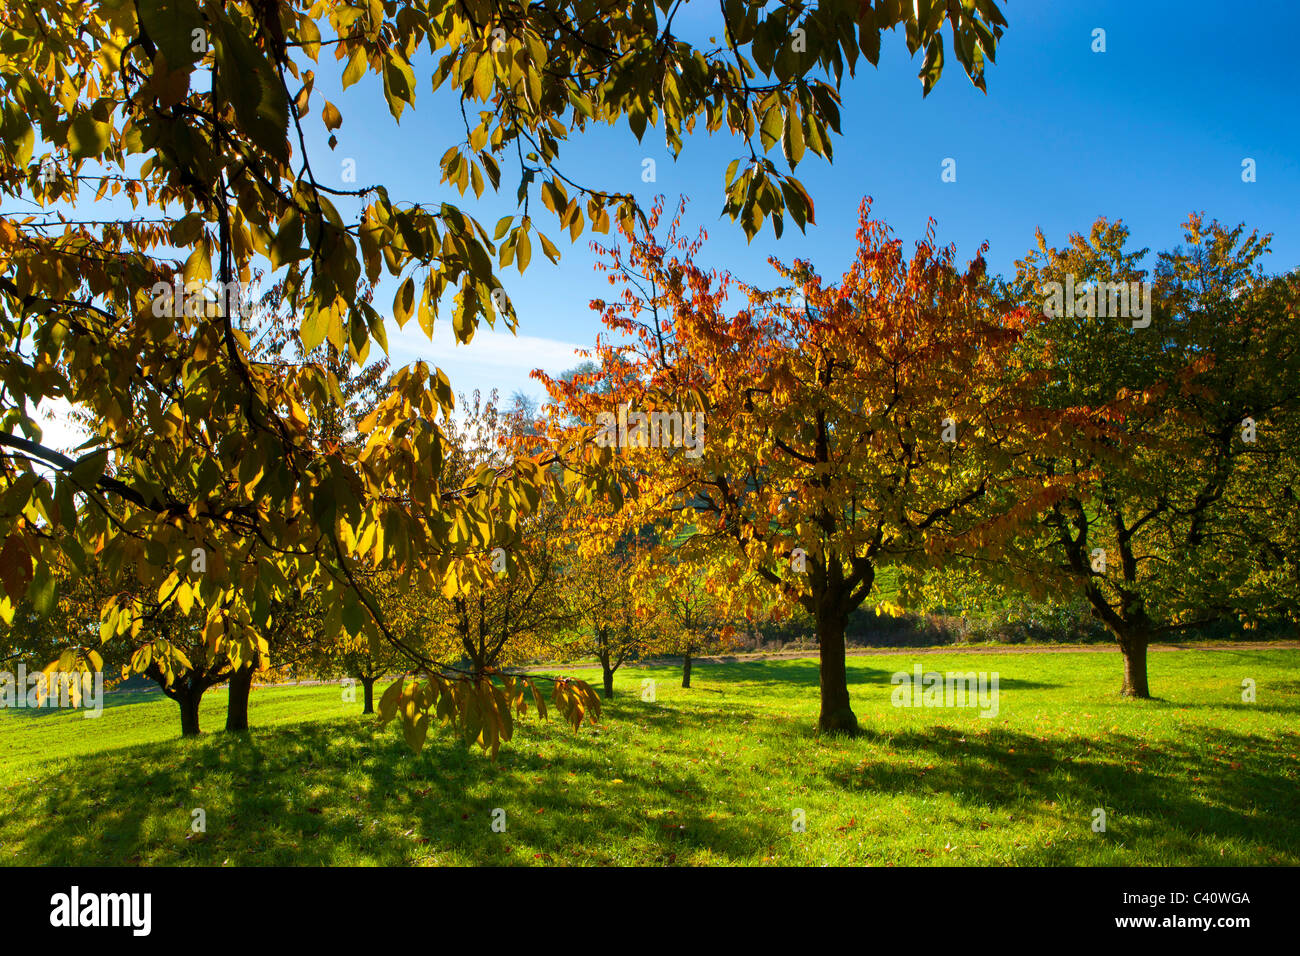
x,y
331,793
345,791
1237,791
807,672
1230,706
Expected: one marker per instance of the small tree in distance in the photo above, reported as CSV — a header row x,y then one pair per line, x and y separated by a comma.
x,y
695,618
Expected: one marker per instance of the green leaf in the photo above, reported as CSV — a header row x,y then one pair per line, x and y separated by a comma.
x,y
354,616
355,68
313,328
792,142
404,302
89,469
284,247
399,86
43,591
198,267
933,65
772,127
523,250
388,701
309,34
255,90
425,311
87,137
170,24
415,732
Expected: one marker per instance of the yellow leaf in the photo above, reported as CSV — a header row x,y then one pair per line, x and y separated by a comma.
x,y
484,77
333,118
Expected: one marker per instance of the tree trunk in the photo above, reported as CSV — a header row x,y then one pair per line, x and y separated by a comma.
x,y
189,699
1134,649
686,669
241,684
603,654
836,713
186,691
368,684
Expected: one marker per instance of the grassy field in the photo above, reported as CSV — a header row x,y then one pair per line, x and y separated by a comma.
x,y
710,775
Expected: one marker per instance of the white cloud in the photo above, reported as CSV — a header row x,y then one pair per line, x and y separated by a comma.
x,y
493,359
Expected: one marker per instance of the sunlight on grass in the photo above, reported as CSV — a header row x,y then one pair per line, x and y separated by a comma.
x,y
713,774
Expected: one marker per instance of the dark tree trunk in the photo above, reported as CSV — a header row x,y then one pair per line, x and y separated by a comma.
x,y
603,654
368,685
189,698
836,713
186,691
241,685
686,669
1134,648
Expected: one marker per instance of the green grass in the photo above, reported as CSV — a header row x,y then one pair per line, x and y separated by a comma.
x,y
710,775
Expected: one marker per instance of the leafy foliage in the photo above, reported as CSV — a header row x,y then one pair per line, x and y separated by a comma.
x,y
199,111
1187,512
876,421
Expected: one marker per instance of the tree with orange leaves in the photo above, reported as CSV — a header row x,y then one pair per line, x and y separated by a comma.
x,y
877,421
694,618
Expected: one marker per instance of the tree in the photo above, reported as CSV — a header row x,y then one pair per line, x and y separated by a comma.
x,y
65,631
695,617
292,636
201,112
276,344
852,426
1187,516
180,663
502,616
614,621
162,645
359,658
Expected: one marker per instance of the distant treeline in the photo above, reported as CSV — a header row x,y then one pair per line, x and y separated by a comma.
x,y
1063,625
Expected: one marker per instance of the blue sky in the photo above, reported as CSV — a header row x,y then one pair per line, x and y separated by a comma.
x,y
1153,128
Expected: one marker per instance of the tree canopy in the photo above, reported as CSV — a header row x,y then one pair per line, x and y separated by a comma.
x,y
205,480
